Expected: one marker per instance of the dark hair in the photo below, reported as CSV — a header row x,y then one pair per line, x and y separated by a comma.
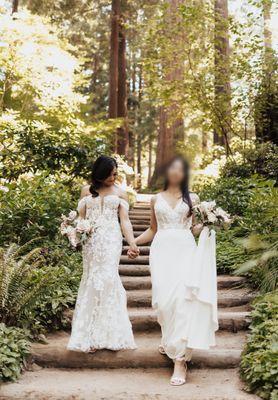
x,y
101,170
184,186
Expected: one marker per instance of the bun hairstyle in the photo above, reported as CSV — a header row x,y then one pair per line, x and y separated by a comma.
x,y
184,185
101,170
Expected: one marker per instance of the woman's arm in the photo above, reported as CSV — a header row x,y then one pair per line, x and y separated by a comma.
x,y
126,225
148,235
81,207
196,228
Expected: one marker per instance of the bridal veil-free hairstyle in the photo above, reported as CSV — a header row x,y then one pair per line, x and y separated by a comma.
x,y
101,170
184,185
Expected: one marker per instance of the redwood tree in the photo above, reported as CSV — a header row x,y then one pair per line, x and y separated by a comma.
x,y
222,85
114,59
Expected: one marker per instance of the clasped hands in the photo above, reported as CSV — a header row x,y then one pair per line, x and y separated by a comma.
x,y
133,251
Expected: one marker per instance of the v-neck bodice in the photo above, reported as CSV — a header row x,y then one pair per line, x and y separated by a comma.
x,y
172,217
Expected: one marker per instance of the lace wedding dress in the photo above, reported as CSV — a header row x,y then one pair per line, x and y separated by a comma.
x,y
100,318
184,290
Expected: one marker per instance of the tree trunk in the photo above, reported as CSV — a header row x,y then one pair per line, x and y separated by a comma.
x,y
122,134
15,6
267,31
150,160
114,56
222,84
171,126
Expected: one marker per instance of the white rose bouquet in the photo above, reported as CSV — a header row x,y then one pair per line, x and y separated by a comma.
x,y
76,229
208,214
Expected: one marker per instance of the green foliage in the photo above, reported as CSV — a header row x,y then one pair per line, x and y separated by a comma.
x,y
259,366
259,224
32,207
229,253
14,348
259,159
65,267
18,292
31,146
38,285
233,194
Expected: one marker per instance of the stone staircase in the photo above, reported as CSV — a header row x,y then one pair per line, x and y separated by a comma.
x,y
59,374
233,303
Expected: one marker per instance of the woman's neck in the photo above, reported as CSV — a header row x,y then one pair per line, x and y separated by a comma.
x,y
174,190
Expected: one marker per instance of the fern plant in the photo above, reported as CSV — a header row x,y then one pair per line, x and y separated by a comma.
x,y
18,290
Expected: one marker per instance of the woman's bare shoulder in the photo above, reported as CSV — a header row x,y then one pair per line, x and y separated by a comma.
x,y
85,191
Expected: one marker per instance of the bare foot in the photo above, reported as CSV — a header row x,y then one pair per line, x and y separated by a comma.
x,y
179,374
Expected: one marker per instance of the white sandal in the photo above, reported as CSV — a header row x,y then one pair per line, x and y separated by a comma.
x,y
175,381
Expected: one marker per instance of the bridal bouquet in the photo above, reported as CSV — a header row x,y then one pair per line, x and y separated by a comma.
x,y
212,216
76,229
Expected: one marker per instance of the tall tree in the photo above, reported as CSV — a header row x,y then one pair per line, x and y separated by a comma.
x,y
15,6
222,84
170,123
122,132
114,60
266,104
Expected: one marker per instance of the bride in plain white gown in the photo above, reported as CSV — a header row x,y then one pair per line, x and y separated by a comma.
x,y
184,290
100,318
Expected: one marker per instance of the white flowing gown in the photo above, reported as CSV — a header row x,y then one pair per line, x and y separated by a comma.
x,y
184,285
100,318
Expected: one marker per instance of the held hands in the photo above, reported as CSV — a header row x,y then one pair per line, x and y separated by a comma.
x,y
133,251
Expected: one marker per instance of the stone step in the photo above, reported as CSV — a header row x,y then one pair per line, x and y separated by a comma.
x,y
226,298
131,281
138,227
231,319
144,319
139,260
134,269
141,206
144,250
139,215
140,221
226,354
125,384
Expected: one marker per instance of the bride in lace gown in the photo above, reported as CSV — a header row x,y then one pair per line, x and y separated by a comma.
x,y
183,274
100,318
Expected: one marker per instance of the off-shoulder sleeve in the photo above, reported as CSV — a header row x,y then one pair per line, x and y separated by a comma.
x,y
81,207
194,198
124,204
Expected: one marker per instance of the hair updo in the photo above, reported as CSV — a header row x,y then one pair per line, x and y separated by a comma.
x,y
102,169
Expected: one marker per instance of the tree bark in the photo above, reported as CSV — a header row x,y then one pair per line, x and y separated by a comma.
x,y
15,6
114,60
222,84
171,127
150,160
122,134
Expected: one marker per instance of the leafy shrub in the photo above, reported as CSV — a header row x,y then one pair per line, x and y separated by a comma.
x,y
259,229
17,291
37,286
14,348
259,366
229,253
261,159
233,194
31,146
65,267
261,214
32,207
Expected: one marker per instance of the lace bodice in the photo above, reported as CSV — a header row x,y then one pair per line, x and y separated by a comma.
x,y
173,217
102,210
